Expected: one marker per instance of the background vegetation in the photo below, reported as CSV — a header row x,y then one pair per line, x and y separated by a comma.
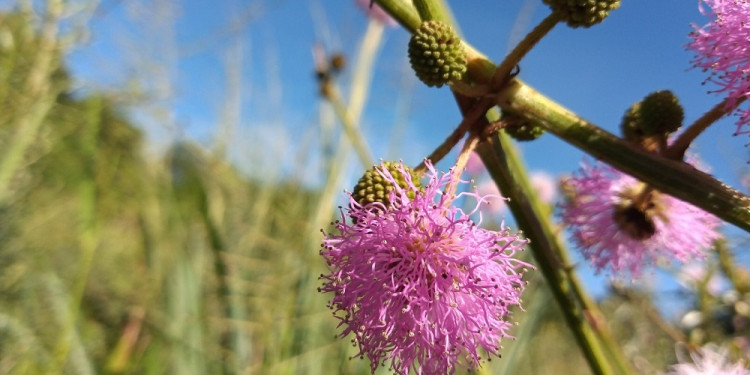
x,y
114,260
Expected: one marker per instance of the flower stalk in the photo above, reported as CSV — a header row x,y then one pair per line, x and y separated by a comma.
x,y
669,176
683,141
523,47
503,165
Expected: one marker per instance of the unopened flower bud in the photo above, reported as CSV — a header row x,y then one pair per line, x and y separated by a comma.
x,y
661,113
522,129
436,54
375,187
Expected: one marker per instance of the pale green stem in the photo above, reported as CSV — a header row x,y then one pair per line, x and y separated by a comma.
x,y
506,170
403,12
463,159
472,116
669,176
728,265
352,131
596,317
429,10
523,47
680,145
349,116
88,239
37,98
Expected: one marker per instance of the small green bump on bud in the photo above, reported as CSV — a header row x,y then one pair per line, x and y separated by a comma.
x,y
586,13
373,187
522,130
661,113
436,54
631,124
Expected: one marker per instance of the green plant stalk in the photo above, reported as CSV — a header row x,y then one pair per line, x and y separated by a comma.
x,y
403,12
88,235
430,10
351,130
516,55
470,117
230,340
38,97
680,145
595,315
672,177
505,169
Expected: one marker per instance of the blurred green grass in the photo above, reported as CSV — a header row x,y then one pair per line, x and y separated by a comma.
x,y
113,262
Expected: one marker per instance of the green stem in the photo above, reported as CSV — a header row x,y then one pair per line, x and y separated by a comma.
x,y
403,12
351,129
596,317
669,176
681,144
429,10
471,116
505,169
37,99
515,56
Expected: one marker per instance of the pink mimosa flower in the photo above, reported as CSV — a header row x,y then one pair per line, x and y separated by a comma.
x,y
621,225
418,283
722,47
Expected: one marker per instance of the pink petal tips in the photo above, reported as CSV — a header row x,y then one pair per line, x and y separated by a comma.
x,y
722,47
621,225
709,360
418,283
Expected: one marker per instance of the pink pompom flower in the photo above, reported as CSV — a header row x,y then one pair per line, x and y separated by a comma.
x,y
620,224
722,47
418,283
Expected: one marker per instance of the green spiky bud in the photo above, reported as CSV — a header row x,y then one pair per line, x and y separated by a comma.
x,y
373,187
521,129
436,54
661,113
586,13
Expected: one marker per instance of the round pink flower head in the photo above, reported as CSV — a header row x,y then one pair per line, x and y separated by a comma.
x,y
417,282
377,13
620,224
709,361
722,47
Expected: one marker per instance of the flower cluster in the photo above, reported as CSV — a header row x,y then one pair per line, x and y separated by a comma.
x,y
709,361
417,282
722,47
622,225
374,11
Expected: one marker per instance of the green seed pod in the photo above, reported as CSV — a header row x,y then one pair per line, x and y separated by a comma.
x,y
661,113
436,54
522,130
586,13
373,187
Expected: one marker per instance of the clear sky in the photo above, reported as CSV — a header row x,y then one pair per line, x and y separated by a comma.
x,y
181,53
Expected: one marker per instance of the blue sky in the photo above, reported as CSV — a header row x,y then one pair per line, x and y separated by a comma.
x,y
597,72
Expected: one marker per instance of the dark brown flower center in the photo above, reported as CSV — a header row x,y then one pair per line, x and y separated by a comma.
x,y
636,213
